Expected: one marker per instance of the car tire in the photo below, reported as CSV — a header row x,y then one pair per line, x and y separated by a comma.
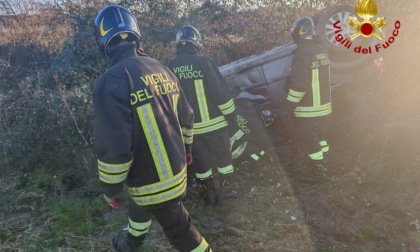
x,y
342,59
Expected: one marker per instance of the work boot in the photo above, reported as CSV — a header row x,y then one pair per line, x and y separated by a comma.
x,y
124,242
208,192
229,188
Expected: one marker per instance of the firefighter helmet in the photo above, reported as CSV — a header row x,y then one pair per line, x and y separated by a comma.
x,y
268,117
188,34
115,20
303,28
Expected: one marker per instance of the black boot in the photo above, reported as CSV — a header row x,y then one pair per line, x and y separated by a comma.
x,y
124,242
229,188
208,192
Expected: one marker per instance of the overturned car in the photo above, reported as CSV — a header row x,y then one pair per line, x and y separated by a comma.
x,y
257,82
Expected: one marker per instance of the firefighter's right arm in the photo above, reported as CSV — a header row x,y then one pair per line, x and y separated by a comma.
x,y
113,133
219,91
296,83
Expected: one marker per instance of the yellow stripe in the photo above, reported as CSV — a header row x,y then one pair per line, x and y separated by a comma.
x,y
161,191
316,91
317,155
113,173
238,151
227,108
201,99
138,228
155,142
236,137
225,170
205,175
112,179
175,99
114,168
202,247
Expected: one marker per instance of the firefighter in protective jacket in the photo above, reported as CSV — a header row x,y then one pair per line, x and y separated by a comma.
x,y
143,133
309,91
214,109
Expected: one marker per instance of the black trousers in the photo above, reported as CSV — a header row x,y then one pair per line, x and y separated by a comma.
x,y
175,221
211,151
311,135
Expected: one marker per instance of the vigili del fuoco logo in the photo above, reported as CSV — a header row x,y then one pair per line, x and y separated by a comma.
x,y
364,28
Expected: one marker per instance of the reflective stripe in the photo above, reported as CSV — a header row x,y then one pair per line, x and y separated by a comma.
x,y
235,137
316,91
207,124
238,151
205,175
255,157
202,247
227,108
225,170
210,125
113,173
325,146
161,191
201,99
138,228
175,99
316,109
155,142
317,155
322,110
188,135
295,96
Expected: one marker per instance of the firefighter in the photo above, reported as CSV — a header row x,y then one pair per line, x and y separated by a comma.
x,y
214,109
249,140
143,136
308,92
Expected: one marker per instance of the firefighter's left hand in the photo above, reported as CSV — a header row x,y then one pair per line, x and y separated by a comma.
x,y
189,159
114,202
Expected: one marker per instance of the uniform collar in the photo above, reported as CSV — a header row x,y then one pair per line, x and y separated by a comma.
x,y
122,51
187,49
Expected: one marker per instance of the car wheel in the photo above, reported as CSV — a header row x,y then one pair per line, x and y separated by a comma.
x,y
342,59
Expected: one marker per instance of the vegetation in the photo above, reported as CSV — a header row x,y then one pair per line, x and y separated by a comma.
x,y
49,194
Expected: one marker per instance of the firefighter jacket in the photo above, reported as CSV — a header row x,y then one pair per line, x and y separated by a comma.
x,y
142,121
205,89
308,88
249,137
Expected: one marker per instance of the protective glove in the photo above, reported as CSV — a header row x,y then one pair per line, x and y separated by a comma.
x,y
188,150
189,159
114,202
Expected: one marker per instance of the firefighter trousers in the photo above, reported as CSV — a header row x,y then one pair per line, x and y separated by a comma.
x,y
175,221
311,136
211,151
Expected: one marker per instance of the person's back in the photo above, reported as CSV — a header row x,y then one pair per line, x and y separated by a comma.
x,y
142,121
309,94
211,100
204,88
151,91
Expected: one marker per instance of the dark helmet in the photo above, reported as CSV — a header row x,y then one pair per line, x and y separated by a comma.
x,y
115,20
268,117
303,28
190,34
